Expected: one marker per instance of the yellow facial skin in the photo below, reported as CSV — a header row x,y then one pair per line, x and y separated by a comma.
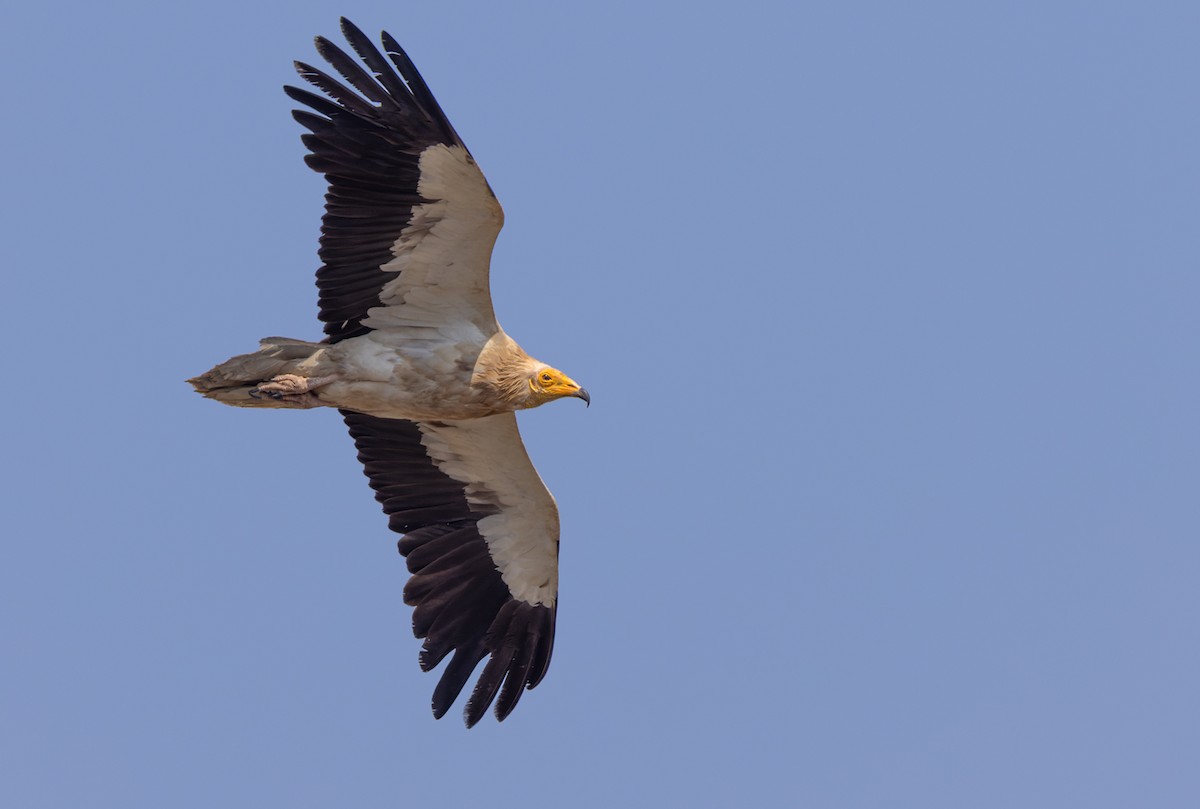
x,y
551,383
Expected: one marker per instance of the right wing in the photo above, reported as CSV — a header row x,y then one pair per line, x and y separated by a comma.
x,y
410,220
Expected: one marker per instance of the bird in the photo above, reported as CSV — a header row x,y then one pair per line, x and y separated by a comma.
x,y
425,378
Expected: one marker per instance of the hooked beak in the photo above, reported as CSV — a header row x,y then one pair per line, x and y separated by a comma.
x,y
583,394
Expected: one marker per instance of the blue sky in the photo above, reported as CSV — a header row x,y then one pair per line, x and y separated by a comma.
x,y
887,495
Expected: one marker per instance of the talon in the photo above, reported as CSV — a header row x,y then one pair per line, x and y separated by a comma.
x,y
254,394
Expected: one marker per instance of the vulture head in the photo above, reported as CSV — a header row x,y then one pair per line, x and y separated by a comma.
x,y
547,384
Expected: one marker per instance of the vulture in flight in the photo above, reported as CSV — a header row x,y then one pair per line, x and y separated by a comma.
x,y
426,379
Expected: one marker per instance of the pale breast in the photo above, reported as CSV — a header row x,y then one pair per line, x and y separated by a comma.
x,y
423,377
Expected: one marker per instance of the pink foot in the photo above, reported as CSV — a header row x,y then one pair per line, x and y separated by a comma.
x,y
285,385
292,390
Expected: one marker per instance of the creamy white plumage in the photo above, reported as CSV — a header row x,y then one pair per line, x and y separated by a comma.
x,y
427,380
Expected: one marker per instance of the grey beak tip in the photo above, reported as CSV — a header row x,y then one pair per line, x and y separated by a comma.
x,y
583,394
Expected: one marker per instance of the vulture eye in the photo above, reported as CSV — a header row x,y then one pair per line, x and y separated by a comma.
x,y
546,378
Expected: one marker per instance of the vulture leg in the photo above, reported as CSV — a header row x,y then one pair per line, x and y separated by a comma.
x,y
294,390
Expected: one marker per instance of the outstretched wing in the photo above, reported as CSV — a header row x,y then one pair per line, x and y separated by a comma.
x,y
410,221
481,540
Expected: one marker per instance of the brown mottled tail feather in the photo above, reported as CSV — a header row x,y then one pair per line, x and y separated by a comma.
x,y
232,381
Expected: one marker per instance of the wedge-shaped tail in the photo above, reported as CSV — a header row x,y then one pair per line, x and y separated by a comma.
x,y
234,381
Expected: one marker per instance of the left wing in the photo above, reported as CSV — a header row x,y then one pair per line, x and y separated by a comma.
x,y
481,540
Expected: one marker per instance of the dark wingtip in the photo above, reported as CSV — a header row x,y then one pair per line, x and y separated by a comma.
x,y
471,718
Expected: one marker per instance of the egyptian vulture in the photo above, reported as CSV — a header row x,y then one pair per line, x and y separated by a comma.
x,y
425,377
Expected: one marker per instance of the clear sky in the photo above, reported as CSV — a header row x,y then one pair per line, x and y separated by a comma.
x,y
887,497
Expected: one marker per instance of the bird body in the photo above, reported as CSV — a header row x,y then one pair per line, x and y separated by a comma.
x,y
424,376
448,373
